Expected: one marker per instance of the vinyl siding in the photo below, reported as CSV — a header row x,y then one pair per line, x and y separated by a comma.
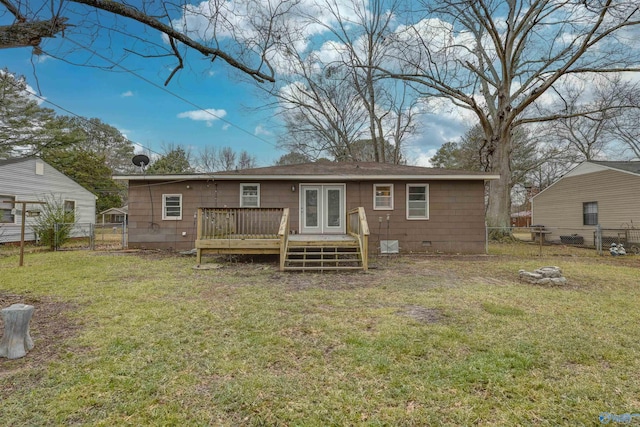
x,y
19,179
560,206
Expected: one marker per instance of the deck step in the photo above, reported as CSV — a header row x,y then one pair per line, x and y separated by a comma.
x,y
321,256
323,268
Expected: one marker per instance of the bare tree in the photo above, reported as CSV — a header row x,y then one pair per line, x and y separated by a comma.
x,y
625,127
227,159
213,159
595,111
497,58
322,113
331,97
241,34
246,160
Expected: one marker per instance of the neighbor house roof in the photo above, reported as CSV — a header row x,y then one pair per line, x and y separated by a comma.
x,y
593,166
16,160
328,170
123,210
628,166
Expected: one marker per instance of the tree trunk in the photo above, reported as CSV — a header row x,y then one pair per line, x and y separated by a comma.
x,y
16,340
498,211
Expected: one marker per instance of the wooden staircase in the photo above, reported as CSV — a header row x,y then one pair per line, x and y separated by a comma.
x,y
323,253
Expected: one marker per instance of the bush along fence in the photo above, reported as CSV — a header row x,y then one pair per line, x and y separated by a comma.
x,y
602,240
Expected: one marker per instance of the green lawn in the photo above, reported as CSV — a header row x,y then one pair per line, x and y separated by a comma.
x,y
145,339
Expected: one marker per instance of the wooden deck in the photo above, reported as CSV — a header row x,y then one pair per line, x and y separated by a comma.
x,y
253,232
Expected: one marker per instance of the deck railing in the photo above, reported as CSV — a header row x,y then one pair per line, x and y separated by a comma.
x,y
239,223
283,234
358,227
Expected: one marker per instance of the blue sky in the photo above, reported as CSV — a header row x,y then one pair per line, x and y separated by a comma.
x,y
150,116
132,99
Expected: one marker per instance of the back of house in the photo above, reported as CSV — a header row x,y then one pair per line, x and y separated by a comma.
x,y
409,209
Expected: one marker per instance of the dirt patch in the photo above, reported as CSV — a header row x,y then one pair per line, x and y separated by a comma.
x,y
421,314
50,326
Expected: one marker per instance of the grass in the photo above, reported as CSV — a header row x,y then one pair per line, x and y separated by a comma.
x,y
418,341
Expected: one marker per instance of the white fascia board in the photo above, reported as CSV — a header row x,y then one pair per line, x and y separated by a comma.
x,y
306,177
162,177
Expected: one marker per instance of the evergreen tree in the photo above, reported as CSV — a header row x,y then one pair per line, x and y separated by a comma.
x,y
176,160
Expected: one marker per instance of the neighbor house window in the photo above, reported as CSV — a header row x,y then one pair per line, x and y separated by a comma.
x,y
383,197
417,201
70,208
249,195
590,213
172,206
6,217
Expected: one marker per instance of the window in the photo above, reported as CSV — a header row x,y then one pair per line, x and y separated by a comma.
x,y
70,208
590,213
383,197
417,201
172,207
6,217
249,195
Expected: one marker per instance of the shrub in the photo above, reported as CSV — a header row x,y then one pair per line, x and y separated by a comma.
x,y
53,225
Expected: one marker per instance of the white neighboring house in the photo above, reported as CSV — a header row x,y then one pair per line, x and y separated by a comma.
x,y
31,179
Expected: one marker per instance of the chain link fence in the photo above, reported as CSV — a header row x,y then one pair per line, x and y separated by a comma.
x,y
545,240
87,236
82,236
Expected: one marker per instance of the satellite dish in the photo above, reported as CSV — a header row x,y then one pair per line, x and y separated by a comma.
x,y
140,160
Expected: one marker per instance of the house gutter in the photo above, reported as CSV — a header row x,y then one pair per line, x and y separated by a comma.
x,y
248,177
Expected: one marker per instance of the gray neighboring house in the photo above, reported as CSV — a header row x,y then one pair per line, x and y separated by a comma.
x,y
32,179
595,192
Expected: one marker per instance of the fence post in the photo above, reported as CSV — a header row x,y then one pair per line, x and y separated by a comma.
x,y
486,238
124,234
55,236
599,239
92,236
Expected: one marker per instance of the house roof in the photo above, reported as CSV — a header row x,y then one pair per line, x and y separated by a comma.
x,y
593,166
123,211
16,160
628,166
328,170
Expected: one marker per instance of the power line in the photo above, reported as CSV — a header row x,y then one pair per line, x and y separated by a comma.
x,y
183,99
84,119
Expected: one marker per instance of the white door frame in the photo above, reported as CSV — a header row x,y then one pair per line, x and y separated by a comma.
x,y
322,225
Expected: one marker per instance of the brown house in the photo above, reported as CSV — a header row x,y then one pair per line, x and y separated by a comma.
x,y
303,212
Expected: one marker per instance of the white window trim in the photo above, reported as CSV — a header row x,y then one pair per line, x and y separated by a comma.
x,y
422,218
9,206
383,208
164,208
242,185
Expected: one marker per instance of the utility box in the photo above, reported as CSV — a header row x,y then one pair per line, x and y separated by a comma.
x,y
389,247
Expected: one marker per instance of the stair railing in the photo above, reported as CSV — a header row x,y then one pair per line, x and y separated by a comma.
x,y
358,227
283,235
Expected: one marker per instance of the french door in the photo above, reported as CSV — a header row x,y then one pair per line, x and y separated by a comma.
x,y
322,209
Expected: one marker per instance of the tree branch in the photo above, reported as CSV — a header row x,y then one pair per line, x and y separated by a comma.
x,y
22,34
129,12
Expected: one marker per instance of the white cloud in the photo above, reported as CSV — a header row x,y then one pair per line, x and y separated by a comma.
x,y
260,130
126,94
208,116
226,126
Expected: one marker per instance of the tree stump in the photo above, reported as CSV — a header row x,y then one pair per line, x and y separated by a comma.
x,y
16,340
